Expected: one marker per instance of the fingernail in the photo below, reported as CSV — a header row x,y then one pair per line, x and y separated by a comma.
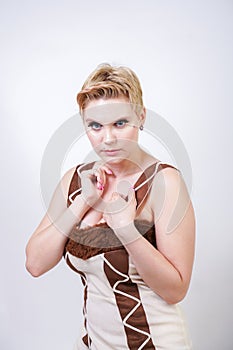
x,y
109,171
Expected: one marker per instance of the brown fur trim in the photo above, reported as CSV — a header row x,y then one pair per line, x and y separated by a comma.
x,y
90,241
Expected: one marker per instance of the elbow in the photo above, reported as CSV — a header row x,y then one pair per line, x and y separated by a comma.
x,y
34,272
31,266
174,299
176,296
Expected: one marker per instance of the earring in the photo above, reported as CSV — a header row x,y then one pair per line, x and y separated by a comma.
x,y
141,127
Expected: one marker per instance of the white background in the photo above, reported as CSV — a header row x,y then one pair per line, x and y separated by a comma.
x,y
182,52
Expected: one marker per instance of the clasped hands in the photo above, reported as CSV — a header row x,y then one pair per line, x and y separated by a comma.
x,y
119,210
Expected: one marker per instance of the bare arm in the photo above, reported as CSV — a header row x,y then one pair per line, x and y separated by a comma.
x,y
45,247
167,269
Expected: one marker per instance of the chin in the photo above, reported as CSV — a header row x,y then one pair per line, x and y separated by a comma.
x,y
113,160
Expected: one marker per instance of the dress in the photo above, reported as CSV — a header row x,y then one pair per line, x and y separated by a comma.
x,y
120,311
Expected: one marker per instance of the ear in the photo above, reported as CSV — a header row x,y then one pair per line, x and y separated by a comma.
x,y
142,116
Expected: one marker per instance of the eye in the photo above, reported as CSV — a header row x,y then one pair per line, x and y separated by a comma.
x,y
121,123
94,126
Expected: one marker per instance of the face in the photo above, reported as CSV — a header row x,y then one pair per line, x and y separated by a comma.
x,y
112,128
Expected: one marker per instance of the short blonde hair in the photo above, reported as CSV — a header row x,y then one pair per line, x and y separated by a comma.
x,y
111,82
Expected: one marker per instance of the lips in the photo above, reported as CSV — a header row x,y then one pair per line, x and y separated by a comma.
x,y
111,151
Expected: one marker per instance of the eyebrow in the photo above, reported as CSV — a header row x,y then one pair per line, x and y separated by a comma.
x,y
117,120
90,120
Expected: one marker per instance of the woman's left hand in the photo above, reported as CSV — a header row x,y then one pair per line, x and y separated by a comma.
x,y
120,211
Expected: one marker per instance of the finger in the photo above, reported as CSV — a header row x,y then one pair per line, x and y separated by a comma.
x,y
115,196
107,170
88,174
100,171
116,204
103,171
118,201
124,197
100,177
131,195
92,176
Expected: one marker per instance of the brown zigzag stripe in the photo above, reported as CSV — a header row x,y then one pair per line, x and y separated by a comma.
x,y
128,301
86,339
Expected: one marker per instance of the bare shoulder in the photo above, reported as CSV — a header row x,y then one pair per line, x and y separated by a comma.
x,y
66,180
169,194
167,177
61,192
58,202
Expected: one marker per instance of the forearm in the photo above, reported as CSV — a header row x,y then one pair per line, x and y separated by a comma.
x,y
45,249
153,267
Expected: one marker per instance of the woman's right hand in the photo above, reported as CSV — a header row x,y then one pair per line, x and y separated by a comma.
x,y
93,182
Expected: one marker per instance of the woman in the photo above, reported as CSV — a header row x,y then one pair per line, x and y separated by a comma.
x,y
124,223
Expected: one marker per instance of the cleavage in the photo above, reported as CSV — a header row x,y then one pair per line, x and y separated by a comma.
x,y
92,218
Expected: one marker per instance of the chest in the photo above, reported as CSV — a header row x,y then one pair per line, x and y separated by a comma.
x,y
144,211
95,216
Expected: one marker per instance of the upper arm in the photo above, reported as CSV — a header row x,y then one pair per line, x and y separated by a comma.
x,y
174,220
58,203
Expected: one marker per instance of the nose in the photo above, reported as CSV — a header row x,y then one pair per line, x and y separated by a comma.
x,y
108,137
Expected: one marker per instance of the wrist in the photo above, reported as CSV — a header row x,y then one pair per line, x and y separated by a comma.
x,y
79,206
127,233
